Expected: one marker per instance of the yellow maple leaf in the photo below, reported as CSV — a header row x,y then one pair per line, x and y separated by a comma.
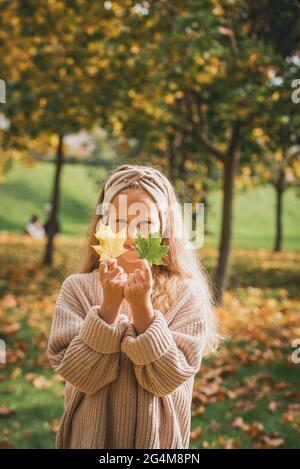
x,y
110,243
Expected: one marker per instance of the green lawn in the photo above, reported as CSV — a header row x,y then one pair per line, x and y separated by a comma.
x,y
28,189
254,219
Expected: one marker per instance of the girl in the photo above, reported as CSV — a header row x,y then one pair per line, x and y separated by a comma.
x,y
129,339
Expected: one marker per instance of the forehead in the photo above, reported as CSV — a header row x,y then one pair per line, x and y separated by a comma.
x,y
135,196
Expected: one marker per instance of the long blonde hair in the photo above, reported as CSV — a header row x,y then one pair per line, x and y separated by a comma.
x,y
180,263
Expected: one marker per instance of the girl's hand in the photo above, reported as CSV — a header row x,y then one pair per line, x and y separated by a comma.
x,y
112,278
138,288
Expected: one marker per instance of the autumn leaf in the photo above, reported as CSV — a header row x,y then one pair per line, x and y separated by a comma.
x,y
110,244
196,433
6,443
150,248
6,412
272,406
241,424
54,425
272,442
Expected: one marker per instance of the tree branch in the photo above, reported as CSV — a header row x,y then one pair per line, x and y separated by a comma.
x,y
197,130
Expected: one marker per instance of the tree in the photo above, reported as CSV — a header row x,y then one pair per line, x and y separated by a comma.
x,y
203,71
54,70
279,143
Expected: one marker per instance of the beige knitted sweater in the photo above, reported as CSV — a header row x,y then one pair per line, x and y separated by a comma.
x,y
124,390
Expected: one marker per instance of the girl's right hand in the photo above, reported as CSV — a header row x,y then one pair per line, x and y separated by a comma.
x,y
112,278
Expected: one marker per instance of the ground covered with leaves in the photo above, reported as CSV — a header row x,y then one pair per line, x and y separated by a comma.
x,y
246,397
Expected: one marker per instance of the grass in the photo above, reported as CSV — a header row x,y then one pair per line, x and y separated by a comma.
x,y
226,411
28,189
260,316
254,219
33,425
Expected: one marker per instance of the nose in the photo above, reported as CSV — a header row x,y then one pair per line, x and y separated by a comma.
x,y
131,232
129,240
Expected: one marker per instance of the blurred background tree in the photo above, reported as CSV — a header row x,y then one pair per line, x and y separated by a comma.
x,y
183,86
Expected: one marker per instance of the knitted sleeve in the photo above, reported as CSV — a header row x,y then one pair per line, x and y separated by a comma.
x,y
82,347
165,356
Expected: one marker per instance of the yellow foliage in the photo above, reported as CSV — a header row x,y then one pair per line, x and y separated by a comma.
x,y
199,60
135,49
172,85
110,243
204,78
169,99
218,10
275,96
257,132
179,94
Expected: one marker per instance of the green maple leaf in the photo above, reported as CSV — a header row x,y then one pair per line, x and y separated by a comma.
x,y
150,248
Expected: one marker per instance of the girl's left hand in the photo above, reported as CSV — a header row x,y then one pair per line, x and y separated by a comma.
x,y
138,288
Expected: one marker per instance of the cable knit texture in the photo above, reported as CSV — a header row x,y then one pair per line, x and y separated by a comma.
x,y
123,389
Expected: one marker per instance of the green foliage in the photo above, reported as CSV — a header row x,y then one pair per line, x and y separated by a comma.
x,y
150,248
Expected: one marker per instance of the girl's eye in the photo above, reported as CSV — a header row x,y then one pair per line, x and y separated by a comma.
x,y
145,222
121,222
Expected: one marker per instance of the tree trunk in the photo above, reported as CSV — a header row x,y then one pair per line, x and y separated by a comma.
x,y
172,160
279,197
226,228
230,163
55,203
204,200
206,187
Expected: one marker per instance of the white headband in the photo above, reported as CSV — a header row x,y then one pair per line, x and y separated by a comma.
x,y
148,179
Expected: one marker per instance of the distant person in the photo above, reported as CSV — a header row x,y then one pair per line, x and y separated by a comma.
x,y
34,228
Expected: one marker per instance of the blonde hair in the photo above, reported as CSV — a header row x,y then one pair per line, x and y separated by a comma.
x,y
180,264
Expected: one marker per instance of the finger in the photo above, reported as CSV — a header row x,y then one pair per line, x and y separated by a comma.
x,y
146,270
115,268
105,264
112,263
121,277
117,282
116,271
139,277
131,280
102,269
125,288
